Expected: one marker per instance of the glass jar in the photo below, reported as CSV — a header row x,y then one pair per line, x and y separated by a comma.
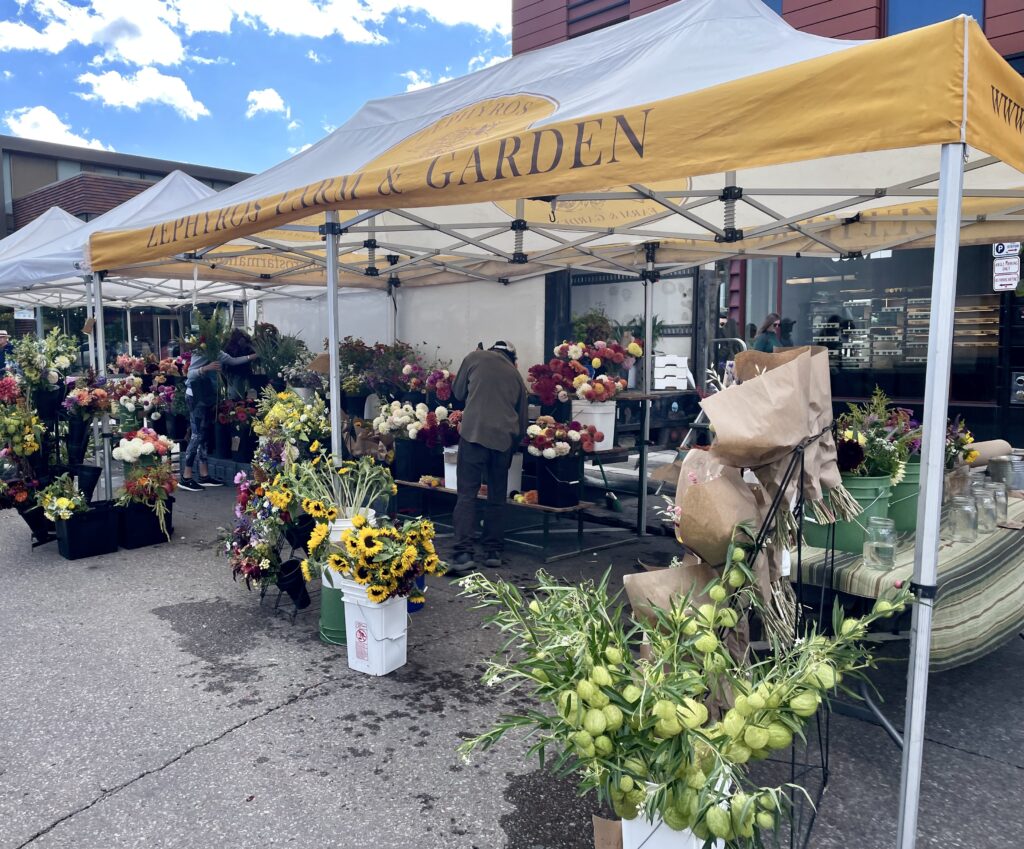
x,y
998,490
880,544
986,506
963,519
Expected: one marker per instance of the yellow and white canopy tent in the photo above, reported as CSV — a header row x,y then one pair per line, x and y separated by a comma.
x,y
706,130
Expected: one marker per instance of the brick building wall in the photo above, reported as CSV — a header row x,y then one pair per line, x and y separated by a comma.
x,y
85,195
836,18
1004,25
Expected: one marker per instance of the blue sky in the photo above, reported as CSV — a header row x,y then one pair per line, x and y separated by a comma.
x,y
237,84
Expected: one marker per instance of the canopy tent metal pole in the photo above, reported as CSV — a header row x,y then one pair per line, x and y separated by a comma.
x,y
40,332
101,368
128,330
392,316
90,314
650,275
331,231
929,508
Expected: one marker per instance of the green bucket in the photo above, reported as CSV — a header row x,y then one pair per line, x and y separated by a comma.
x,y
332,615
873,496
903,503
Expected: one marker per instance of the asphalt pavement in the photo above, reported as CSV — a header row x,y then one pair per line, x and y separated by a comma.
x,y
149,700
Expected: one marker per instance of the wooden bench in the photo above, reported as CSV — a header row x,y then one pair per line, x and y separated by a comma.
x,y
515,536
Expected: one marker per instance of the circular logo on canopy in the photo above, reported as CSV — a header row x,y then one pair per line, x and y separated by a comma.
x,y
502,116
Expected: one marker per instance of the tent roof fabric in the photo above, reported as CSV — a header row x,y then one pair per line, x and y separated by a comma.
x,y
635,132
41,231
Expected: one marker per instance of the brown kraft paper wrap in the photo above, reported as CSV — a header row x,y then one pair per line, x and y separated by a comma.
x,y
709,511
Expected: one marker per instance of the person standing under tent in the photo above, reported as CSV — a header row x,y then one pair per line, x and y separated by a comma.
x,y
6,349
493,426
201,395
767,339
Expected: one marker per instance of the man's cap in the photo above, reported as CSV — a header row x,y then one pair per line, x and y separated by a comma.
x,y
507,347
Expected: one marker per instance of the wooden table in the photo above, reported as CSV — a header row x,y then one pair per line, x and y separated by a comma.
x,y
521,536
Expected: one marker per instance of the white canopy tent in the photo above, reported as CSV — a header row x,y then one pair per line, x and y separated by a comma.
x,y
706,130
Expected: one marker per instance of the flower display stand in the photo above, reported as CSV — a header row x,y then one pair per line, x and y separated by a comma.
x,y
377,633
602,416
138,526
88,534
291,581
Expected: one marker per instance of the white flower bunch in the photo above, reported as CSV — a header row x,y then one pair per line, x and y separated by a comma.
x,y
62,362
52,376
131,450
128,403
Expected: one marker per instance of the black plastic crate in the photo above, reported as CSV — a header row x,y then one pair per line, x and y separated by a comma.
x,y
88,534
138,525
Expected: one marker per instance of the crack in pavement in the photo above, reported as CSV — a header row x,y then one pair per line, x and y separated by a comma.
x,y
106,794
964,751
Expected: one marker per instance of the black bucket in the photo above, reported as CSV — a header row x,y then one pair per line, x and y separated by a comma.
x,y
291,581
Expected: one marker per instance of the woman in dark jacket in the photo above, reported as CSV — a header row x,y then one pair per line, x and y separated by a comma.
x,y
767,339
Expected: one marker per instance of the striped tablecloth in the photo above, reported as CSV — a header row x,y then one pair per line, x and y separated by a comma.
x,y
980,602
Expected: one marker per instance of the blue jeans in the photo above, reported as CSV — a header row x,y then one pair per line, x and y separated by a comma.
x,y
198,416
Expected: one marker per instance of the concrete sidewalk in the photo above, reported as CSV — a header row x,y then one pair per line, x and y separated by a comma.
x,y
147,700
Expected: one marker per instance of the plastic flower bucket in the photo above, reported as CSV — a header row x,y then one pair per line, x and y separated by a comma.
x,y
377,633
332,610
903,501
451,467
873,496
602,416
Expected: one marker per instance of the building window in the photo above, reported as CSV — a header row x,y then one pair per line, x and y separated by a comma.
x,y
774,5
911,14
66,168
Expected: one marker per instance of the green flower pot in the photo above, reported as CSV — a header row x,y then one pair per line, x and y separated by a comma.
x,y
873,496
903,502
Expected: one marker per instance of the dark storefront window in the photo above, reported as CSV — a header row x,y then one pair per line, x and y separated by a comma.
x,y
872,314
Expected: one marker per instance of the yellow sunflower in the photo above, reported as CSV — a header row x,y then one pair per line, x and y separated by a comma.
x,y
358,521
336,561
369,541
428,546
351,543
427,529
417,598
377,593
307,505
314,446
331,513
316,509
432,564
361,574
317,537
409,557
307,575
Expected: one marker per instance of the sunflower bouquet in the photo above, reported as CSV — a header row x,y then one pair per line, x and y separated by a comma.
x,y
328,489
284,417
386,558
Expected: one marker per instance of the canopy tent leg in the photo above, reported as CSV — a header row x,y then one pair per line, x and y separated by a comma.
x,y
649,278
90,314
128,331
331,231
392,316
929,508
101,368
40,332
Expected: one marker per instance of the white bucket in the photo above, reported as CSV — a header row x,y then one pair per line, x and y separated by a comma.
x,y
377,633
515,474
451,467
344,523
602,416
640,832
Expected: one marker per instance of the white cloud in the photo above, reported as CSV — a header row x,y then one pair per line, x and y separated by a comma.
x,y
293,125
480,61
329,128
8,74
266,100
146,86
38,122
315,57
294,150
152,32
421,79
139,32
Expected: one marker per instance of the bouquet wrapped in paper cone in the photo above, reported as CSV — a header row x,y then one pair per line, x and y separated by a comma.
x,y
711,499
776,389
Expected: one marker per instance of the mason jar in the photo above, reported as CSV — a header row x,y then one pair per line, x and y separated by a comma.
x,y
880,544
998,490
963,519
986,505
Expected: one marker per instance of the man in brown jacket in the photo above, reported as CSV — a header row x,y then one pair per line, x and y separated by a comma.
x,y
493,426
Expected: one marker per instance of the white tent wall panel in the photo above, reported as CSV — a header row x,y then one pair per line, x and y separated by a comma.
x,y
454,318
361,314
